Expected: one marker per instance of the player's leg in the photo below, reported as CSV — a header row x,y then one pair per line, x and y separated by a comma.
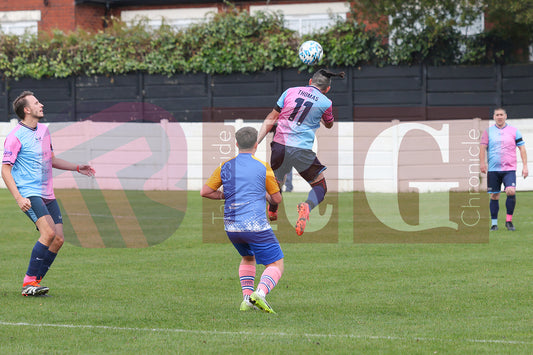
x,y
57,241
267,252
288,182
247,280
494,183
318,191
509,182
281,167
38,213
314,175
494,209
246,266
269,279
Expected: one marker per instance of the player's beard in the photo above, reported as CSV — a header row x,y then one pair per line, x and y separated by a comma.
x,y
39,115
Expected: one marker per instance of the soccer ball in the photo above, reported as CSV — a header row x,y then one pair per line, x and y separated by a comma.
x,y
310,52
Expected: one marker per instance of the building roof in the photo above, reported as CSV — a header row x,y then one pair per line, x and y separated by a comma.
x,y
118,3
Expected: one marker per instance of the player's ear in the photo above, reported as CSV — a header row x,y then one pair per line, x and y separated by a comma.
x,y
327,90
310,81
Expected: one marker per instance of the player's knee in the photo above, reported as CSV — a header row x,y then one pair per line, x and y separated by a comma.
x,y
510,191
321,183
47,234
279,264
248,259
59,240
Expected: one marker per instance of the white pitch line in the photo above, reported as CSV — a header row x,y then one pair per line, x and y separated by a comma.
x,y
216,332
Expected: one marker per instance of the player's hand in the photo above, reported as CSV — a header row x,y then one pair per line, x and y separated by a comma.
x,y
24,204
525,172
86,170
483,168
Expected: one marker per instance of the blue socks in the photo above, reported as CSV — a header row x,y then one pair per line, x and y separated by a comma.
x,y
317,193
494,208
510,203
38,256
47,262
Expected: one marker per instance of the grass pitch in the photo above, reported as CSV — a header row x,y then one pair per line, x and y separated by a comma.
x,y
183,295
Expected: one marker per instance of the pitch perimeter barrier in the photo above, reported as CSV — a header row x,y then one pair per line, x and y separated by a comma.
x,y
367,94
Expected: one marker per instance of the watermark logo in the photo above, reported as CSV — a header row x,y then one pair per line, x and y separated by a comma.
x,y
419,182
138,197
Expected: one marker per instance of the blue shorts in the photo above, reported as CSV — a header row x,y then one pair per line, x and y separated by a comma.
x,y
495,179
263,245
42,207
284,158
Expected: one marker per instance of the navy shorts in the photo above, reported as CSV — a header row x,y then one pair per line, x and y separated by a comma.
x,y
42,207
305,162
263,245
495,179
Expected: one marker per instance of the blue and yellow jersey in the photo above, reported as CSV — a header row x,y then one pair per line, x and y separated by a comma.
x,y
245,180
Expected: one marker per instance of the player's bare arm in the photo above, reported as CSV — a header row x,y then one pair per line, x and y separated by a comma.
x,y
274,199
327,124
483,158
523,156
267,125
209,193
65,165
23,202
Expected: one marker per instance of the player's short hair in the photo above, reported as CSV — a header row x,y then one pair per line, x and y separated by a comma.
x,y
21,102
246,137
499,109
322,78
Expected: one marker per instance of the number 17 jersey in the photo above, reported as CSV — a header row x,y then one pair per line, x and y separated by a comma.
x,y
302,108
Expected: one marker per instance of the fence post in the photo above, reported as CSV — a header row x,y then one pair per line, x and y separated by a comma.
x,y
476,124
424,89
73,98
499,85
6,96
351,93
165,153
210,84
140,93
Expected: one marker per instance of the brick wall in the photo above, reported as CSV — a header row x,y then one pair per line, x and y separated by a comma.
x,y
90,17
54,13
59,14
66,16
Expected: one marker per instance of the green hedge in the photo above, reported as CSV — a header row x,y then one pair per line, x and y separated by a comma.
x,y
231,42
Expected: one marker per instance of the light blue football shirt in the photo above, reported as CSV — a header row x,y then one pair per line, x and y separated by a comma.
x,y
29,152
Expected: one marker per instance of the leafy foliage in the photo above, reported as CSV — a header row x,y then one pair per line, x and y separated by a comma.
x,y
428,31
420,31
349,43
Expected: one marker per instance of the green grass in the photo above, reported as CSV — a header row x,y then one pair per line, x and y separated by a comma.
x,y
183,295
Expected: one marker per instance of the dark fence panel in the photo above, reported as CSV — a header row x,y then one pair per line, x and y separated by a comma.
x,y
185,96
55,94
367,94
517,90
4,101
